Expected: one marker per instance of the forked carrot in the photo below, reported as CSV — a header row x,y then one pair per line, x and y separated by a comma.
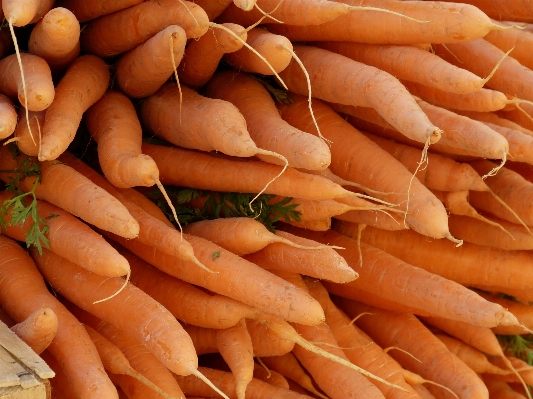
x,y
38,330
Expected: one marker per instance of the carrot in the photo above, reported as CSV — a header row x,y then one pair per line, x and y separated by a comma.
x,y
78,195
139,358
8,116
506,10
315,225
433,358
322,263
300,307
38,81
224,131
241,236
56,38
70,238
213,9
270,377
272,47
24,12
202,56
71,345
82,85
85,11
431,71
264,124
265,341
204,171
60,383
203,339
186,302
125,29
26,142
522,115
374,277
115,361
258,389
526,373
355,78
380,219
143,70
155,327
235,346
480,56
515,39
519,142
500,389
422,391
288,366
520,310
143,202
468,265
38,330
495,119
352,162
433,23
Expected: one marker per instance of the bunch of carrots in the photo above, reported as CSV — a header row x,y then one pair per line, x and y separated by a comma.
x,y
269,198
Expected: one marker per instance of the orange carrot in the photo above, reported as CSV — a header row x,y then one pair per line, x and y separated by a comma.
x,y
382,220
317,210
500,390
85,11
204,171
60,383
71,345
143,70
38,330
8,116
143,202
522,311
491,117
202,56
125,29
264,124
271,377
516,39
155,327
24,12
213,9
56,38
315,225
38,81
82,85
506,10
27,141
522,116
265,341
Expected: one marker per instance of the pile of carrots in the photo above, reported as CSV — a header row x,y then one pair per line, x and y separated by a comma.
x,y
394,139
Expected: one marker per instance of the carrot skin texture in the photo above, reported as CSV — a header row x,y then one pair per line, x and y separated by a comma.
x,y
363,161
24,12
362,85
194,165
38,330
85,81
123,30
85,11
264,124
265,341
163,335
18,273
8,117
25,143
143,70
519,41
56,38
202,56
38,78
291,303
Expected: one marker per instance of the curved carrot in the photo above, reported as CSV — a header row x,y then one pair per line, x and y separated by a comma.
x,y
38,330
8,117
71,345
123,30
85,81
143,70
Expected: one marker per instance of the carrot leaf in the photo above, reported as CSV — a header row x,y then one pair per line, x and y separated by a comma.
x,y
520,346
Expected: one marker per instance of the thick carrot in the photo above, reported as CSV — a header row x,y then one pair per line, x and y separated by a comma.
x,y
85,11
500,389
505,10
70,238
202,56
491,117
71,345
361,85
380,219
83,84
125,29
317,210
266,128
235,346
522,311
204,171
271,377
224,380
38,330
516,39
143,202
358,159
265,341
519,142
375,276
24,12
480,56
78,195
522,116
431,71
469,264
155,327
315,225
186,302
321,263
240,236
433,360
38,81
56,38
276,49
60,383
143,70
8,117
27,141
213,8
290,303
437,23
203,124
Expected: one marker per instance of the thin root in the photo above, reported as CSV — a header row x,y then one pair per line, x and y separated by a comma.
x,y
118,292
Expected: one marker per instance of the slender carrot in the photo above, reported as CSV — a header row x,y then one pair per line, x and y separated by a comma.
x,y
495,119
85,11
315,225
380,219
8,116
202,56
500,389
522,312
271,377
204,171
85,81
143,70
422,391
143,202
38,330
505,10
515,39
522,116
316,210
71,345
123,30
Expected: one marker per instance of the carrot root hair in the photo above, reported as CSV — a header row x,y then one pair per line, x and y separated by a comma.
x,y
268,14
358,316
386,350
497,168
273,154
145,381
173,59
423,160
502,202
197,373
118,291
515,372
495,68
441,386
262,364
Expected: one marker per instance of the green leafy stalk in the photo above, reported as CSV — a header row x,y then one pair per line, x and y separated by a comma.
x,y
518,346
